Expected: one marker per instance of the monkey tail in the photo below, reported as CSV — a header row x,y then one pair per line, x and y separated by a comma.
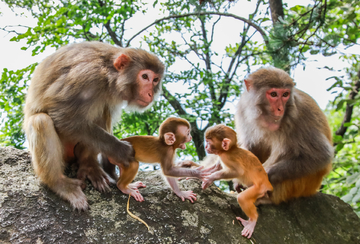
x,y
45,147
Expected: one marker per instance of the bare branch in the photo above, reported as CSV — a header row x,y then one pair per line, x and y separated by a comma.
x,y
174,102
112,34
258,28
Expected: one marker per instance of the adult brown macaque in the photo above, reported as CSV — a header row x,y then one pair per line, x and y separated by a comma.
x,y
173,134
285,128
72,98
240,165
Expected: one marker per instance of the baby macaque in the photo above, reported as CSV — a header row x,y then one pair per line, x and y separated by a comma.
x,y
241,166
173,134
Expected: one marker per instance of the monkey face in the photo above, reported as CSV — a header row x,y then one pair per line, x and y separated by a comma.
x,y
185,136
273,112
277,98
211,146
147,81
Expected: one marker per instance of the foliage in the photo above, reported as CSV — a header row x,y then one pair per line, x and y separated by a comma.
x,y
344,180
13,85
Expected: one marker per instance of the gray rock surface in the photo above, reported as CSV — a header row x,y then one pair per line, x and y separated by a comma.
x,y
31,213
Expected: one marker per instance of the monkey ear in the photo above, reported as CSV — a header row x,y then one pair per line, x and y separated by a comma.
x,y
247,84
226,144
121,61
169,138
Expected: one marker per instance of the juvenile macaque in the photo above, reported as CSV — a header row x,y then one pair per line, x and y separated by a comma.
x,y
72,98
173,134
287,131
240,165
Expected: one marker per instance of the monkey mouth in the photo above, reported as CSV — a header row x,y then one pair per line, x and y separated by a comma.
x,y
276,119
142,103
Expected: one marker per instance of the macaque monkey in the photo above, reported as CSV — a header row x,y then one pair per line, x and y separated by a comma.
x,y
287,131
72,98
240,165
173,134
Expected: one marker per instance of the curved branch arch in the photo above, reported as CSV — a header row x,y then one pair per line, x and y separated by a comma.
x,y
252,24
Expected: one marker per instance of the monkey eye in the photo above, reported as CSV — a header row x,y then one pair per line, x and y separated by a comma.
x,y
144,76
156,80
286,94
273,94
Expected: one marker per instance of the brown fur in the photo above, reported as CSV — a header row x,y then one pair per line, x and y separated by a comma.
x,y
72,98
299,153
152,149
240,165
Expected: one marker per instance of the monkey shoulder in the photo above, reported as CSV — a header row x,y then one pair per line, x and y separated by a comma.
x,y
243,157
310,114
305,102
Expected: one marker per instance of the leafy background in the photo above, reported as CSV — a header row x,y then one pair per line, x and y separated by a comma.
x,y
205,59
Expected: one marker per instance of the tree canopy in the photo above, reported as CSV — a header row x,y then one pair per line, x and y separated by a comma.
x,y
208,48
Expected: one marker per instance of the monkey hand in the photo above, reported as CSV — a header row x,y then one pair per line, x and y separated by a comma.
x,y
186,195
214,168
207,181
203,172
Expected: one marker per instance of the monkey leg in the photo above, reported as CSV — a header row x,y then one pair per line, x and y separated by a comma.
x,y
89,168
127,175
246,200
48,160
109,168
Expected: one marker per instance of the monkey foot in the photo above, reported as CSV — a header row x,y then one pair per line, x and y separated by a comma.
x,y
136,185
133,192
70,190
97,176
186,195
249,226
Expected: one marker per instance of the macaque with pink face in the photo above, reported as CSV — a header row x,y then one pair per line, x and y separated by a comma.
x,y
285,128
72,98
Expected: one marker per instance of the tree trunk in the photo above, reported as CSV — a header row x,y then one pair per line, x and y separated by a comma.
x,y
280,56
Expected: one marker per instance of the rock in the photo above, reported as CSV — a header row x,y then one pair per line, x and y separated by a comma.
x,y
31,213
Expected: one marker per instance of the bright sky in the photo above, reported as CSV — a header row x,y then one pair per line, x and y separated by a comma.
x,y
312,80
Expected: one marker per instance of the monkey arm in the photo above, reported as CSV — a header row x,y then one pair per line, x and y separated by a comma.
x,y
170,170
96,137
224,173
184,172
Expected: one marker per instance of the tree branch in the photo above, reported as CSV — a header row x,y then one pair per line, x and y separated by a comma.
x,y
112,34
174,102
255,26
